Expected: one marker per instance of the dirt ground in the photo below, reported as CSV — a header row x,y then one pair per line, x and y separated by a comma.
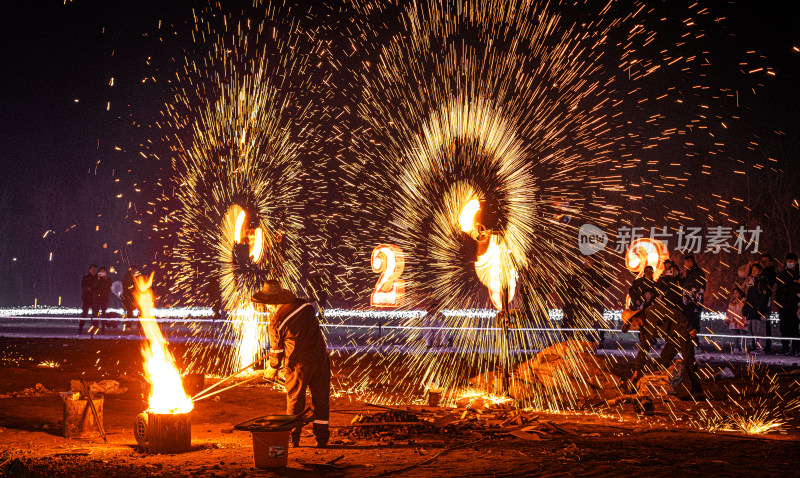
x,y
592,444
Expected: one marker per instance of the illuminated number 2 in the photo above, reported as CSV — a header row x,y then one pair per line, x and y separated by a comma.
x,y
388,261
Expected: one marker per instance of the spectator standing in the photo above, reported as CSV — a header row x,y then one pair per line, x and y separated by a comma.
x,y
786,299
596,283
649,298
768,266
101,293
87,290
319,287
668,286
756,306
571,307
432,325
694,287
640,286
734,317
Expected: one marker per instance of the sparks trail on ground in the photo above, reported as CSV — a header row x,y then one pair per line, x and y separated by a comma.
x,y
761,404
541,112
243,131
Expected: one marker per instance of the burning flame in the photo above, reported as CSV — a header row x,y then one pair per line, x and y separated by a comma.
x,y
237,230
166,390
257,245
467,218
490,272
489,265
254,237
645,252
488,399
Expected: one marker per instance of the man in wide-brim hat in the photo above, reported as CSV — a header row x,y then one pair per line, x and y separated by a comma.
x,y
297,345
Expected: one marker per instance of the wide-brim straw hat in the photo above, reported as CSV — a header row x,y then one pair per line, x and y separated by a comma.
x,y
273,294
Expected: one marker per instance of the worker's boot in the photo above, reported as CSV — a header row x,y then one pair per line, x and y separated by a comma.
x,y
321,433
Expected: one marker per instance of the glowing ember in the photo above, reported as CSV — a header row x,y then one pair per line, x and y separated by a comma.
x,y
476,398
166,389
756,424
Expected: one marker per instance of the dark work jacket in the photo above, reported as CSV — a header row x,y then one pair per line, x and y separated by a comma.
x,y
756,305
88,283
102,290
295,337
129,291
786,292
664,320
639,287
695,278
771,275
669,288
694,286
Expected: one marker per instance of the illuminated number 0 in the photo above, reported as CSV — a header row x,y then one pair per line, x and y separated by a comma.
x,y
388,261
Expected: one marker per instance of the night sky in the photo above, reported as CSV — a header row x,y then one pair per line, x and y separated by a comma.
x,y
67,155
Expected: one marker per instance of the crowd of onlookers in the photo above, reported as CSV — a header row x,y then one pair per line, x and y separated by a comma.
x,y
763,287
95,293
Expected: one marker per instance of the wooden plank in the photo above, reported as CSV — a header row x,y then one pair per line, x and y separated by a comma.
x,y
524,435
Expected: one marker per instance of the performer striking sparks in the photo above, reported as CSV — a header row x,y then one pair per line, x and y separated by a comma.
x,y
297,344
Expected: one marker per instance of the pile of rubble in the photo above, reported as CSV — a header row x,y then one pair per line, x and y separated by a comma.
x,y
493,420
569,369
38,391
393,423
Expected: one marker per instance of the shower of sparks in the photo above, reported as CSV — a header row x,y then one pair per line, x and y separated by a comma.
x,y
538,112
49,364
759,405
544,116
243,131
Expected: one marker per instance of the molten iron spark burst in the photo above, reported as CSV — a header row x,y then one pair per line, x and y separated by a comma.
x,y
513,106
243,129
